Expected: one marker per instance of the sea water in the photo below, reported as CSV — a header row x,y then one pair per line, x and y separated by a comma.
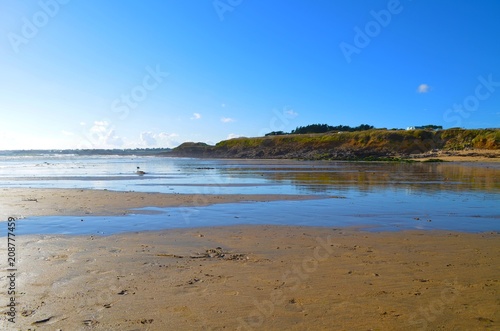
x,y
373,195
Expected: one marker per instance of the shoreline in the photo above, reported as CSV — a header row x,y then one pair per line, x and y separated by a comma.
x,y
486,156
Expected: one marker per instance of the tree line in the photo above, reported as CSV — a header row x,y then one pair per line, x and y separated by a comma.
x,y
322,128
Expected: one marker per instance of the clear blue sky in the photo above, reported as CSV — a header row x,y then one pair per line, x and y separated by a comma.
x,y
119,74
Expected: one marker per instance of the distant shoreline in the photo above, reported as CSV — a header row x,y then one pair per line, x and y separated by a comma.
x,y
87,152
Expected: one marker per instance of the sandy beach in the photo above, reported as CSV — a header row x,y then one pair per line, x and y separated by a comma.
x,y
246,277
470,155
259,278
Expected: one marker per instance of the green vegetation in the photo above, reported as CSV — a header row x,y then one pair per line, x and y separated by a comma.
x,y
276,133
427,127
459,139
374,144
432,127
322,128
434,160
193,149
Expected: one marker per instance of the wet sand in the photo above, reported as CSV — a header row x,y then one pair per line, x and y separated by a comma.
x,y
259,278
472,155
244,277
21,202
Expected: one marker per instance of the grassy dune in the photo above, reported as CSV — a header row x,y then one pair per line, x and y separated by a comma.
x,y
363,145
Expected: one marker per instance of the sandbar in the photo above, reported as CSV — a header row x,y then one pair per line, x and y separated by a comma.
x,y
24,202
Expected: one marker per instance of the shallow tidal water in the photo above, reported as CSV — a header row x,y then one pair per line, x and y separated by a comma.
x,y
372,195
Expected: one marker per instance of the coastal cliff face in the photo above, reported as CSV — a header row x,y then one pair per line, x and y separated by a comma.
x,y
363,145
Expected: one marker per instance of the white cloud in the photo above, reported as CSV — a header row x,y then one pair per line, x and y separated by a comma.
x,y
291,113
162,139
227,119
196,116
148,138
101,135
112,140
100,127
232,136
423,88
164,135
67,133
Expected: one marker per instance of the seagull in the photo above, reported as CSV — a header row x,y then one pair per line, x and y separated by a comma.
x,y
140,172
